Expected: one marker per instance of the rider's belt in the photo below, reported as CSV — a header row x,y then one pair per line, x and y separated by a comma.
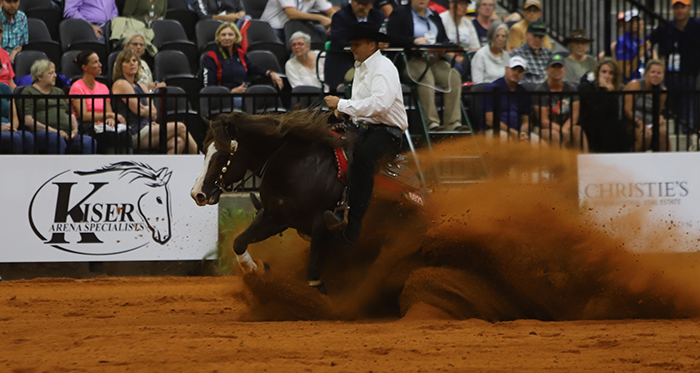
x,y
391,129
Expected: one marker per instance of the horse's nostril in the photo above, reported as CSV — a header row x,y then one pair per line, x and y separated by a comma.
x,y
200,197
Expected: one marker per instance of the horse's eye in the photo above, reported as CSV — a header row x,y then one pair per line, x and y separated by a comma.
x,y
159,200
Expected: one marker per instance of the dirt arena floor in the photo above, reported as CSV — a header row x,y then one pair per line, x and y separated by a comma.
x,y
517,248
174,324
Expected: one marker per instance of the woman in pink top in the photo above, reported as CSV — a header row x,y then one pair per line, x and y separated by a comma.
x,y
7,75
94,114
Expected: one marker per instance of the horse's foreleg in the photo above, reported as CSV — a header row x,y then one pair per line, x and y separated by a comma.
x,y
321,239
260,229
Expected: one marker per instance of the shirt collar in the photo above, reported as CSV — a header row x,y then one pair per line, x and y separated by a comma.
x,y
428,13
370,60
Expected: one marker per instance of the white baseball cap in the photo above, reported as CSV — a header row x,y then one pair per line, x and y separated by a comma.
x,y
516,61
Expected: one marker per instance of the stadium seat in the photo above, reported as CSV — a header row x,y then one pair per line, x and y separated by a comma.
x,y
108,70
278,50
205,32
261,31
264,59
215,100
175,101
262,98
51,18
309,96
40,40
169,35
24,61
68,67
254,8
318,41
27,5
187,18
77,34
169,64
177,4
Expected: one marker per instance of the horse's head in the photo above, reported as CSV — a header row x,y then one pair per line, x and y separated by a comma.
x,y
154,207
224,164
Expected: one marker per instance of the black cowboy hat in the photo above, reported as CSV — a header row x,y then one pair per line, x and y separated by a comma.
x,y
368,31
579,35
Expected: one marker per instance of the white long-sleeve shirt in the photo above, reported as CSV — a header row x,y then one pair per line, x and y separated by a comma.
x,y
486,67
376,94
467,33
298,74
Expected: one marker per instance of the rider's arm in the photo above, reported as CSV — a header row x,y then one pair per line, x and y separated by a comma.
x,y
383,88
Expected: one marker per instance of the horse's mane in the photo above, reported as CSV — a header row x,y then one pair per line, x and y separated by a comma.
x,y
140,170
305,124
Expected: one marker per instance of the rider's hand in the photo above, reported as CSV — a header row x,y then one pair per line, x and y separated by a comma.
x,y
332,102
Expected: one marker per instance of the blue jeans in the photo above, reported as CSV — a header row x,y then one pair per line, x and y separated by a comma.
x,y
20,142
49,143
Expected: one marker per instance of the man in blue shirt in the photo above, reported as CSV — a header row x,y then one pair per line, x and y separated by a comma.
x,y
679,46
513,115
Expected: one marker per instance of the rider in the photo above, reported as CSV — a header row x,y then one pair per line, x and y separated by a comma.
x,y
376,108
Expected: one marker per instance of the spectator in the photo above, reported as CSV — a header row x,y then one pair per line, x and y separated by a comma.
x,y
490,62
222,10
629,49
278,12
137,43
228,66
338,61
94,114
514,117
15,27
12,140
532,12
301,69
7,73
639,108
537,57
52,114
601,112
96,12
558,112
579,62
465,34
385,6
141,115
414,25
145,11
679,46
485,10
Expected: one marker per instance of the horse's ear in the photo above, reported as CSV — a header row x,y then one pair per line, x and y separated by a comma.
x,y
166,177
162,176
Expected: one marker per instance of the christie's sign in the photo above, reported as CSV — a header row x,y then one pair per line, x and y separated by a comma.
x,y
102,208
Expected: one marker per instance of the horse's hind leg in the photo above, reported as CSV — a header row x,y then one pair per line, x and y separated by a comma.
x,y
262,227
321,239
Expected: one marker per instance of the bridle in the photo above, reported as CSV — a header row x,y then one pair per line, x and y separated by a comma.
x,y
219,183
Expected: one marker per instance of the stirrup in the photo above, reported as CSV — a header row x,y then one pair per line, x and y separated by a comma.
x,y
256,202
333,222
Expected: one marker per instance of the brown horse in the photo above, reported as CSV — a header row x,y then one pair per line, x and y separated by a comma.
x,y
293,156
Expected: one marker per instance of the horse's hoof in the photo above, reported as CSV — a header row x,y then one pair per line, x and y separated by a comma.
x,y
263,268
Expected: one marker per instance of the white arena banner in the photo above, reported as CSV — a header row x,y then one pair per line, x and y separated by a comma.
x,y
660,191
102,208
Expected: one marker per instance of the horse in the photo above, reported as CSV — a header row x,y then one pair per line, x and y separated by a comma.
x,y
153,203
293,154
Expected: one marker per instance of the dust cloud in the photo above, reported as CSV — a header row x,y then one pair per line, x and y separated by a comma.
x,y
514,245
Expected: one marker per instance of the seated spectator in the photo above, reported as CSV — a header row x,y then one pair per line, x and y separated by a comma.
x,y
278,12
514,118
532,12
601,113
53,114
12,141
338,61
558,113
464,34
137,43
96,12
414,25
639,108
485,12
490,62
145,11
229,66
222,10
579,62
537,57
301,69
94,114
7,74
140,114
15,27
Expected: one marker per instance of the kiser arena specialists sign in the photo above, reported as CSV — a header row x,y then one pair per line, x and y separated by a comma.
x,y
662,191
102,208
